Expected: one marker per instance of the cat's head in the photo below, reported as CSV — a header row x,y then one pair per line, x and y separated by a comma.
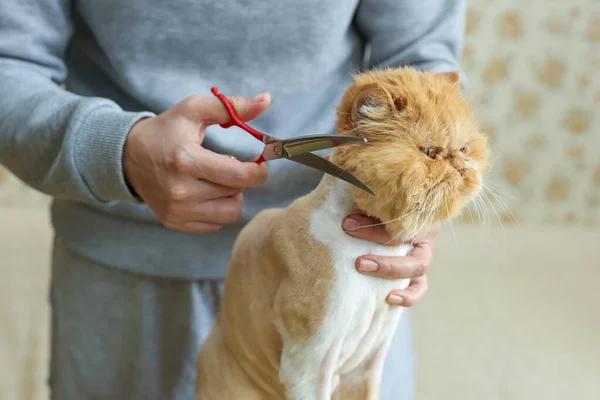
x,y
425,155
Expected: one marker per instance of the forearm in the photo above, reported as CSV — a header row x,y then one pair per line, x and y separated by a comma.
x,y
62,144
59,143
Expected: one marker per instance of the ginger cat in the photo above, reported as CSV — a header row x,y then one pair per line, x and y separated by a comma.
x,y
297,320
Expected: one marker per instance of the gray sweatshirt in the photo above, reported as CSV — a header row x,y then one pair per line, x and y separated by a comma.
x,y
125,59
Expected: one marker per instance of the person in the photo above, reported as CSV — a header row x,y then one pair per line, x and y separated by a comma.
x,y
146,202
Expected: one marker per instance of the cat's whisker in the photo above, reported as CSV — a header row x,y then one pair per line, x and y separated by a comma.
x,y
395,237
495,211
451,225
478,209
469,210
486,209
430,210
454,234
421,207
483,209
424,207
414,223
507,210
416,231
400,233
386,222
485,204
424,204
497,188
495,191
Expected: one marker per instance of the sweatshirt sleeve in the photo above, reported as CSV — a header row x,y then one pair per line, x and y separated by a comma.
x,y
59,143
425,34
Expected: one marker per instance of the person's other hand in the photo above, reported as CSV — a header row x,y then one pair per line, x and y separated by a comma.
x,y
414,266
190,188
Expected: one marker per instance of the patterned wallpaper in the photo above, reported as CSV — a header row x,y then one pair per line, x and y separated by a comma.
x,y
534,73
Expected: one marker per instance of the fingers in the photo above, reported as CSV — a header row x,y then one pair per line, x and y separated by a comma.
x,y
198,191
226,210
207,216
414,265
225,171
209,110
411,295
199,227
362,227
219,169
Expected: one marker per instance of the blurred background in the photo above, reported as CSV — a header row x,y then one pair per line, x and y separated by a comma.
x,y
512,311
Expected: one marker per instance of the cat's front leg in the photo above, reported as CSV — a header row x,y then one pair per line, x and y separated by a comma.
x,y
364,382
311,347
308,370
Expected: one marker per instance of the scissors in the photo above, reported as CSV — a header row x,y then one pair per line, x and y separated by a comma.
x,y
298,149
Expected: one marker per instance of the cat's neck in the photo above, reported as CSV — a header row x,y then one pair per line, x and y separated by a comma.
x,y
333,196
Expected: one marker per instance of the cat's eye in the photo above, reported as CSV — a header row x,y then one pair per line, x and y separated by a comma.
x,y
430,152
463,149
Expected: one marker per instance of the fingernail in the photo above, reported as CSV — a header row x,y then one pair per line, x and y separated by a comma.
x,y
350,223
394,299
258,98
368,265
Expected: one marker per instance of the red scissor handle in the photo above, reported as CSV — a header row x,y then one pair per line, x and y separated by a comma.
x,y
235,119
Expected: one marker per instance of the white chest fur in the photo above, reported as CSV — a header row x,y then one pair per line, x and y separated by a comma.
x,y
358,301
359,323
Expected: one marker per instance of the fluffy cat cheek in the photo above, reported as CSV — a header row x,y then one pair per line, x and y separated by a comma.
x,y
471,186
449,205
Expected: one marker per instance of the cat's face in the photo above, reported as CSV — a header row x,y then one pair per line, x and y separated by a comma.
x,y
425,156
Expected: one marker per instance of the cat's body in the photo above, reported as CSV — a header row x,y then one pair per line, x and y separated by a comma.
x,y
311,343
297,320
350,344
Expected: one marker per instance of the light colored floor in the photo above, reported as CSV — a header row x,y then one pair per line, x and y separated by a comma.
x,y
24,320
510,316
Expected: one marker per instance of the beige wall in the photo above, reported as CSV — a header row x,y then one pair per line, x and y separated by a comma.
x,y
534,70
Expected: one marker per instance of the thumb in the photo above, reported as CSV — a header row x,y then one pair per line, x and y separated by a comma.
x,y
209,110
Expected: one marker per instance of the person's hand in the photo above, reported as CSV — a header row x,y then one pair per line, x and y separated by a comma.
x,y
414,266
189,188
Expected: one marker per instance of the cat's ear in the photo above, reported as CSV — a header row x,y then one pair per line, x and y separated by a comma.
x,y
372,102
453,77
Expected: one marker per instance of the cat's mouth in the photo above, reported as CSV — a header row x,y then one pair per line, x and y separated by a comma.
x,y
406,214
441,202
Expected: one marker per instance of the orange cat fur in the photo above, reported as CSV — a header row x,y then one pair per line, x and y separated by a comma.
x,y
297,320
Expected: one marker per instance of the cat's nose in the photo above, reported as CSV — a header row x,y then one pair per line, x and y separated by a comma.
x,y
459,165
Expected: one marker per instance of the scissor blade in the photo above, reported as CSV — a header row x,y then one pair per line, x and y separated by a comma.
x,y
314,161
308,144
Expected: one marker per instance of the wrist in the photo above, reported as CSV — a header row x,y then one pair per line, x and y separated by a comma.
x,y
128,155
98,151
